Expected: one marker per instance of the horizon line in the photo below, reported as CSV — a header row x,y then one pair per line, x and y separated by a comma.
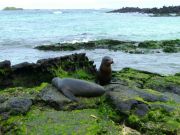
x,y
86,8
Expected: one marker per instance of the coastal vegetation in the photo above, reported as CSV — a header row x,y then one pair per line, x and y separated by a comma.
x,y
140,102
167,46
164,11
12,8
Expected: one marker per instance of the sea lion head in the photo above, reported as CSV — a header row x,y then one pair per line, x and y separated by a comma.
x,y
55,81
107,61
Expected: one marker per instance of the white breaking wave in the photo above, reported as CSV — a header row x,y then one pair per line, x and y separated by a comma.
x,y
57,12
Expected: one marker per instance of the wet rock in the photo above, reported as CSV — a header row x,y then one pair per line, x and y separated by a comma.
x,y
164,84
19,105
123,98
141,109
151,97
51,96
125,106
24,65
5,74
155,11
5,64
127,99
173,96
168,108
16,106
3,108
173,88
2,99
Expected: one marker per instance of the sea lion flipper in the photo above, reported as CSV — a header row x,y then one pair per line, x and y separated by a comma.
x,y
68,94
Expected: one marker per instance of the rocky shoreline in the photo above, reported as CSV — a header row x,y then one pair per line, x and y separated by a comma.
x,y
166,46
140,103
33,74
157,12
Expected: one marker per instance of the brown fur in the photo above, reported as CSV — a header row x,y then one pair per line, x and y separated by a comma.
x,y
104,73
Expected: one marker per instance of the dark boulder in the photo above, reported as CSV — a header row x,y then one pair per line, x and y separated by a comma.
x,y
123,98
5,74
5,64
133,100
141,109
33,74
16,105
52,97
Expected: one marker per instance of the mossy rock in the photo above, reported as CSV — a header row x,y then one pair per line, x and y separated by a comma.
x,y
48,121
22,91
170,49
177,74
156,122
171,43
149,45
33,74
151,106
104,43
52,97
133,77
164,84
126,47
148,110
169,46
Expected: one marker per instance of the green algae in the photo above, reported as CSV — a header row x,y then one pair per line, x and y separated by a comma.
x,y
59,72
163,116
168,46
81,74
177,74
134,78
155,122
173,79
2,72
49,121
170,49
151,91
22,92
163,83
100,116
149,45
104,43
78,74
133,74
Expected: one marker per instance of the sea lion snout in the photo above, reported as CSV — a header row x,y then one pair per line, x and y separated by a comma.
x,y
107,60
111,61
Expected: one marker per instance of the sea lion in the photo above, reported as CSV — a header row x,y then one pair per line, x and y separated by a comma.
x,y
75,87
104,73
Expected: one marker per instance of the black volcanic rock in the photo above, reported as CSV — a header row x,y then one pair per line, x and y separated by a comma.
x,y
33,74
163,10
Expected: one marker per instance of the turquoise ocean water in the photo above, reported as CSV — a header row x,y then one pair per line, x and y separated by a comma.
x,y
20,31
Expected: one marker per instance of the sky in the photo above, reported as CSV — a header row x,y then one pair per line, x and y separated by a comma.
x,y
85,4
